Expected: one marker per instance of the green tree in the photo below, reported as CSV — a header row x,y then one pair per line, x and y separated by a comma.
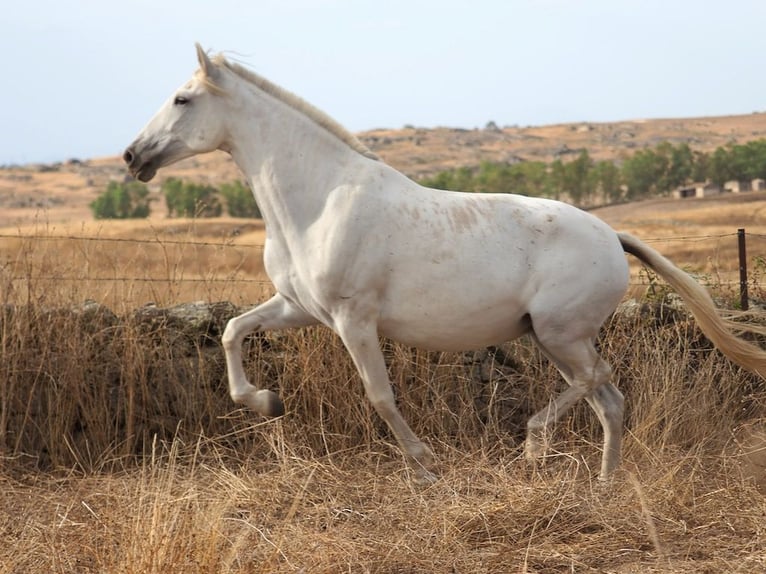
x,y
530,178
191,199
641,172
239,200
606,181
673,166
700,166
526,178
681,165
557,175
490,177
572,181
720,166
460,179
748,161
122,201
576,177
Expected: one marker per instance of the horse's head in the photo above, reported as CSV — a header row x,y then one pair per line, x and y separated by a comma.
x,y
187,124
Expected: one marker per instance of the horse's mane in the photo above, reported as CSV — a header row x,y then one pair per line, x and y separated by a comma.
x,y
295,102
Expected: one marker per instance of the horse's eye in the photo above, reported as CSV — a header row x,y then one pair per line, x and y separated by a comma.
x,y
180,101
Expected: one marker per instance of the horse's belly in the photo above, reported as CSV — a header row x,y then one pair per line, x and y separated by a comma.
x,y
428,327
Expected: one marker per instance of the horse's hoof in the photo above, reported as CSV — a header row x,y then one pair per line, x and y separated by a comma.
x,y
264,402
424,477
269,404
534,449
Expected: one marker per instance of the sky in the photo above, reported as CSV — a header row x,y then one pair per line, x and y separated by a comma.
x,y
80,78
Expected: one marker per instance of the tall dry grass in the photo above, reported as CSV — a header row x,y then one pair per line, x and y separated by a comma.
x,y
121,451
127,264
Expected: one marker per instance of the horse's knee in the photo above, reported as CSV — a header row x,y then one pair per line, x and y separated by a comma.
x,y
230,337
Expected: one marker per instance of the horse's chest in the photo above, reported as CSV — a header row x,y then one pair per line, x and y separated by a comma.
x,y
295,277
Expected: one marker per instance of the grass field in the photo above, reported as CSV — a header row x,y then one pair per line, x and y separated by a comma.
x,y
121,451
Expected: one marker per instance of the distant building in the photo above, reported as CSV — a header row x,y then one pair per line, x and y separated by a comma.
x,y
707,189
735,186
743,186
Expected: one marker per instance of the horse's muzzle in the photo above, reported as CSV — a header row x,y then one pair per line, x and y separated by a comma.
x,y
141,170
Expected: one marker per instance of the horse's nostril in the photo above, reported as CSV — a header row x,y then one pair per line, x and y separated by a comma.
x,y
128,156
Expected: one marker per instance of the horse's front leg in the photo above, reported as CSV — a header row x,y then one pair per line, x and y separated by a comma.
x,y
362,343
276,313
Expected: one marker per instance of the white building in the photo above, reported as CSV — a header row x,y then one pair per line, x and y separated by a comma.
x,y
706,189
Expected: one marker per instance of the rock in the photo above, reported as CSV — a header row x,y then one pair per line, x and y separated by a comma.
x,y
197,323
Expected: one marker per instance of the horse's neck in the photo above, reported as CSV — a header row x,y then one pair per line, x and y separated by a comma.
x,y
292,164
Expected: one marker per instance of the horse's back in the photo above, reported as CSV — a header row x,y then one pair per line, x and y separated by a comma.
x,y
523,241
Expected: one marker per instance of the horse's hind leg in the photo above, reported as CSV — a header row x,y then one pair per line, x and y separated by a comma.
x,y
608,403
588,376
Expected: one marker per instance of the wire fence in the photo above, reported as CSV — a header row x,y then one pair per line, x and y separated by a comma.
x,y
156,241
75,275
757,252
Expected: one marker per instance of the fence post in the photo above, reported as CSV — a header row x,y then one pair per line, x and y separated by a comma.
x,y
742,269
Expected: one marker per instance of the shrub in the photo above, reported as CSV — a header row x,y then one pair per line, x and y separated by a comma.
x,y
122,201
239,200
191,199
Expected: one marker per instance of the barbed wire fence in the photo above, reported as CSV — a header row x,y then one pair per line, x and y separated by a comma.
x,y
754,253
745,279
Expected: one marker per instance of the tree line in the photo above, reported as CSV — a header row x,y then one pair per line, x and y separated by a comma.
x,y
584,181
128,200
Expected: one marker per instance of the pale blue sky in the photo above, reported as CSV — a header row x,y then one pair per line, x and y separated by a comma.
x,y
80,78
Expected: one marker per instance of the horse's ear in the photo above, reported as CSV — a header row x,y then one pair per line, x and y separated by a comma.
x,y
205,64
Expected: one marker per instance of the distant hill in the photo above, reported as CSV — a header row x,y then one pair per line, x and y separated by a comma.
x,y
420,152
62,192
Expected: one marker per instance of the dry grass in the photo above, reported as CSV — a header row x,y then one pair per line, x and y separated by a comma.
x,y
126,264
121,451
345,513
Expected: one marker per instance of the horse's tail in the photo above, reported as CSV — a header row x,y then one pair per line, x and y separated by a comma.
x,y
699,302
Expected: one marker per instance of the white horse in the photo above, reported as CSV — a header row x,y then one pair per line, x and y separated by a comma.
x,y
355,245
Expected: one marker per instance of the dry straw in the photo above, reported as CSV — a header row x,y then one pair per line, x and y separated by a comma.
x,y
122,452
